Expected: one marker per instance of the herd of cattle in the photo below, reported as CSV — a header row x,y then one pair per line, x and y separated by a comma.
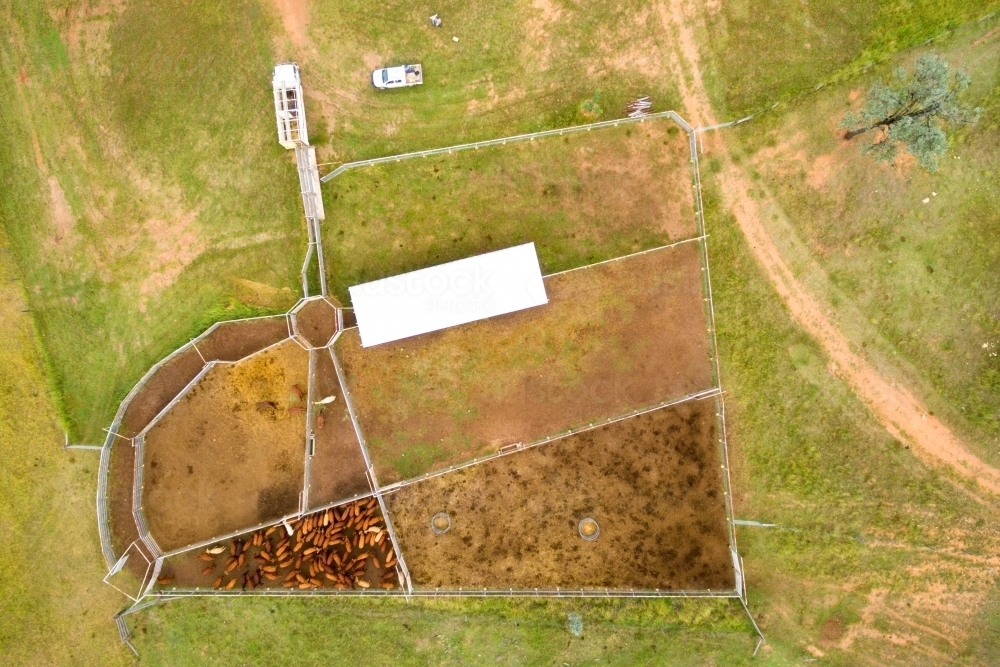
x,y
345,547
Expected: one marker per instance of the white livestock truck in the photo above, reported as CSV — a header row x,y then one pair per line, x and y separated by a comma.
x,y
398,77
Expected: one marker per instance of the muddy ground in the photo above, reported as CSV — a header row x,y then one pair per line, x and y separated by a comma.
x,y
272,559
337,468
652,482
317,322
230,453
232,341
613,338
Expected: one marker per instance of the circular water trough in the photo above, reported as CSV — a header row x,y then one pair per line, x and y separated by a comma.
x,y
440,523
588,529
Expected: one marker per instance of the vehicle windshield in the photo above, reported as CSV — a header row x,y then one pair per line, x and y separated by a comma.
x,y
385,75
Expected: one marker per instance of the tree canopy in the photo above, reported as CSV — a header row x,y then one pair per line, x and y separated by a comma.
x,y
911,110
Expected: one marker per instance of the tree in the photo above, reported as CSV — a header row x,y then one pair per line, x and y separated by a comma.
x,y
911,110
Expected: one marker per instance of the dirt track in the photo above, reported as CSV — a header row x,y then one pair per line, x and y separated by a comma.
x,y
894,406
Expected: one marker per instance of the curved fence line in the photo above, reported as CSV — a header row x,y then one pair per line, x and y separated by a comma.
x,y
104,465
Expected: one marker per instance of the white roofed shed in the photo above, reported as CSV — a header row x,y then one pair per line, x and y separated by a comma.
x,y
447,295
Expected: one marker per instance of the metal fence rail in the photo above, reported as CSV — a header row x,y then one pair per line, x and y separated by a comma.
x,y
310,436
123,633
518,138
458,592
722,445
372,479
509,450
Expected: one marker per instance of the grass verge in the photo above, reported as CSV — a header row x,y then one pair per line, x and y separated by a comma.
x,y
905,257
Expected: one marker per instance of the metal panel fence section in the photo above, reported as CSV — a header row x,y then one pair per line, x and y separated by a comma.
x,y
123,632
103,518
720,412
460,592
514,448
137,487
530,136
400,560
103,469
157,566
307,463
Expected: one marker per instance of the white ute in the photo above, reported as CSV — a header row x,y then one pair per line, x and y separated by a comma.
x,y
397,77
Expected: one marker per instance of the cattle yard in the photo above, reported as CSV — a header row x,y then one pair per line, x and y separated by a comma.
x,y
340,549
576,448
652,484
614,338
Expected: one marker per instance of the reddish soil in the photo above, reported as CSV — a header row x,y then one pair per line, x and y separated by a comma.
x,y
317,322
901,413
232,341
160,390
651,482
230,453
613,338
120,477
331,550
337,468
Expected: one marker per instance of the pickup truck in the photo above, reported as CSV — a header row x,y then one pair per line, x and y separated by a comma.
x,y
397,77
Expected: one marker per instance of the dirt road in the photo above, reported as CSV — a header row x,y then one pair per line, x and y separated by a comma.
x,y
893,405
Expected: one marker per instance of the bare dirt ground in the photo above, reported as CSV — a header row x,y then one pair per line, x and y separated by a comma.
x,y
901,413
317,322
295,20
230,453
652,483
120,479
165,384
337,469
232,341
325,551
613,338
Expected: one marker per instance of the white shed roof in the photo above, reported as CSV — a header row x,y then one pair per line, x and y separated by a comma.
x,y
447,295
286,75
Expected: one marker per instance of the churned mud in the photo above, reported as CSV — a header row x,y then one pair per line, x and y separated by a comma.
x,y
652,483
